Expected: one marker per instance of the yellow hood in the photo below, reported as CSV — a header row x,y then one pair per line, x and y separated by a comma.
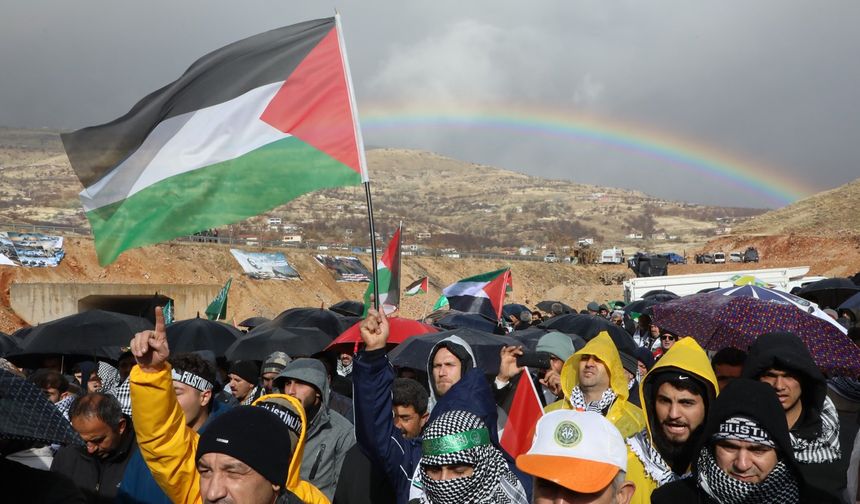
x,y
302,489
685,355
624,415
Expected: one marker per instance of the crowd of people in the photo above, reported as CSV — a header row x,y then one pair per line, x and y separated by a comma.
x,y
656,419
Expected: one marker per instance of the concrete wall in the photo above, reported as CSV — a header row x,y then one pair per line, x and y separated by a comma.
x,y
41,302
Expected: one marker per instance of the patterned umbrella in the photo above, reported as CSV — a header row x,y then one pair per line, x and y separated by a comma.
x,y
26,414
717,321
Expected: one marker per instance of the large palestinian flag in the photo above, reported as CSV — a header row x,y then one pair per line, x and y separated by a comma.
x,y
484,293
388,274
246,128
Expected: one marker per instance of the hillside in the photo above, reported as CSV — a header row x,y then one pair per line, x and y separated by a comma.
x,y
836,211
461,205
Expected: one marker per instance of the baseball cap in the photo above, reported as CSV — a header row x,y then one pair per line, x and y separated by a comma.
x,y
579,450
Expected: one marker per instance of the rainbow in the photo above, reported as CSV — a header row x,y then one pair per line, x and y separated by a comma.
x,y
754,178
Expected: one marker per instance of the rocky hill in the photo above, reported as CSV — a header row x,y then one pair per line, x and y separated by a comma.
x,y
836,212
450,202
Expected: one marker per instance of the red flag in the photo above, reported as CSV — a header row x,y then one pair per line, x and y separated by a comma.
x,y
525,411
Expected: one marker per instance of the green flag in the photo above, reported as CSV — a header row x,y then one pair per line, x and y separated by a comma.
x,y
441,302
167,311
217,309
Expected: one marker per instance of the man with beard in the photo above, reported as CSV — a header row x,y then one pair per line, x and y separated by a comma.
x,y
675,395
746,457
782,360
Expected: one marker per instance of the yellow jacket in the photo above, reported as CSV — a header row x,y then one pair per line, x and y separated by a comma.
x,y
168,445
685,355
626,417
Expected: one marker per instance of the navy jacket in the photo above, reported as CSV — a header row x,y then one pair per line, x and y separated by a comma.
x,y
373,377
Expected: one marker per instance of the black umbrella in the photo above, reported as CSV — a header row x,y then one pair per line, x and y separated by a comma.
x,y
349,308
589,326
830,292
8,345
93,333
642,306
546,306
414,352
26,414
852,304
514,309
660,295
201,334
324,320
476,321
529,337
253,322
267,338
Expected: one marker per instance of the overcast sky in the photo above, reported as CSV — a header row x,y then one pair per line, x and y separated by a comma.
x,y
773,84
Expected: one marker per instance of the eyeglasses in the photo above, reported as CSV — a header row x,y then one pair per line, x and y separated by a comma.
x,y
668,337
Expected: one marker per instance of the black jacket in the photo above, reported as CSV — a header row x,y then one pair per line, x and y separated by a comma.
x,y
362,482
787,352
25,484
97,478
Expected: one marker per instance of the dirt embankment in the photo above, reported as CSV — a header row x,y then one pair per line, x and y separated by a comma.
x,y
175,263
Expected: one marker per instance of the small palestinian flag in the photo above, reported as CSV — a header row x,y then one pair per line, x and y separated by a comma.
x,y
419,286
388,273
484,293
245,129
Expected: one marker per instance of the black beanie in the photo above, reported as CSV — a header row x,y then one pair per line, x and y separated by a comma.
x,y
246,370
254,436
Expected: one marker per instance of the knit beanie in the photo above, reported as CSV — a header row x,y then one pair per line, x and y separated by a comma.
x,y
557,344
246,370
252,435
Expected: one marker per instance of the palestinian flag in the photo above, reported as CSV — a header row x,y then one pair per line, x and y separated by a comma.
x,y
245,129
388,274
217,309
419,286
484,293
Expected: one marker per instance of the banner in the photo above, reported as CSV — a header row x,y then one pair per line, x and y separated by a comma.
x,y
345,269
268,266
31,249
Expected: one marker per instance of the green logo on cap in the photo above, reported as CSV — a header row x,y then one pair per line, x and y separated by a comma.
x,y
567,434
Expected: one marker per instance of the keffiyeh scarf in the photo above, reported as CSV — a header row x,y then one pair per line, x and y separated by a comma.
x,y
577,400
460,437
655,466
825,447
778,487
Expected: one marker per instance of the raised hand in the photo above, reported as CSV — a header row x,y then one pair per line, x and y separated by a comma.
x,y
374,330
508,367
150,347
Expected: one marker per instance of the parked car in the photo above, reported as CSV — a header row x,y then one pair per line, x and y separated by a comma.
x,y
704,259
674,258
550,258
719,257
736,257
751,255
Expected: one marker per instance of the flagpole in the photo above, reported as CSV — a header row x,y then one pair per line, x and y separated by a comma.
x,y
362,158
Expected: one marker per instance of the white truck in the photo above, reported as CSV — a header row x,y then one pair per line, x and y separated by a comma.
x,y
783,279
612,256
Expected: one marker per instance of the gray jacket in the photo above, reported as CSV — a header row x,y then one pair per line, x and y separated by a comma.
x,y
329,435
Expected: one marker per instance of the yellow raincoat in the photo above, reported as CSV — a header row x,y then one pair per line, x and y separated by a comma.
x,y
685,355
626,417
169,446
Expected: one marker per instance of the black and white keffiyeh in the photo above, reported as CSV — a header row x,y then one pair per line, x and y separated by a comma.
x,y
825,447
778,487
577,400
655,466
122,392
460,437
109,376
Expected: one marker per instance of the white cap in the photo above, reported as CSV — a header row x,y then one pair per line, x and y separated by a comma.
x,y
579,450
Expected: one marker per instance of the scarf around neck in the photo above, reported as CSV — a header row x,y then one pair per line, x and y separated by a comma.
x,y
825,447
778,487
655,466
577,400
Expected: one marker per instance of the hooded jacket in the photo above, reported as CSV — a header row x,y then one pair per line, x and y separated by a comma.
x,y
787,352
742,398
626,417
168,445
329,434
457,346
373,376
686,356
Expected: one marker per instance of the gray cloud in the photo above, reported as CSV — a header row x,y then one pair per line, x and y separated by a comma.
x,y
770,82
